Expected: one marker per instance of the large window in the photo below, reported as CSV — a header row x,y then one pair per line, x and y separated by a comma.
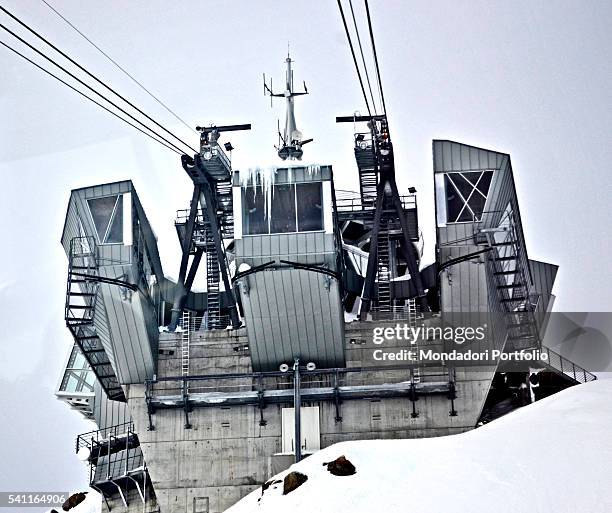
x,y
466,195
107,215
309,206
286,208
78,376
282,216
254,217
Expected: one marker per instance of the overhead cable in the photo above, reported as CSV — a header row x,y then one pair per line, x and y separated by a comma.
x,y
125,72
16,36
382,94
348,36
63,54
362,56
85,96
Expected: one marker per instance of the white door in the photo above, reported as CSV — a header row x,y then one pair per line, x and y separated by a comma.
x,y
311,433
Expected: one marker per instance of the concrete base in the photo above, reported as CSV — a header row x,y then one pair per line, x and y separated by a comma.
x,y
227,453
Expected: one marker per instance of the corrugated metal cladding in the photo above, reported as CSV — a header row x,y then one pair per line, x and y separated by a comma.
x,y
293,313
544,275
125,321
455,157
315,248
127,315
467,286
470,286
108,413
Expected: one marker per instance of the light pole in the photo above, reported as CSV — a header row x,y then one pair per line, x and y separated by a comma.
x,y
297,404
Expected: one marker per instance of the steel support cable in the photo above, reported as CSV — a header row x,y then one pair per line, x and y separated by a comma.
x,y
85,96
382,95
125,72
16,36
348,36
365,68
63,54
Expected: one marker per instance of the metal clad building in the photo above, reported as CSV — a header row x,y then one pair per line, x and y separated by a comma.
x,y
109,220
203,409
286,228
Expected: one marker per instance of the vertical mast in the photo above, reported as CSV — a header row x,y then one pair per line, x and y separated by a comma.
x,y
291,132
290,141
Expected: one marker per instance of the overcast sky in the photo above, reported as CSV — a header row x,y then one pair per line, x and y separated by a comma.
x,y
528,78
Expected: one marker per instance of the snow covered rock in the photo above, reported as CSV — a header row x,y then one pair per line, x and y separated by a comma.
x,y
340,467
74,500
292,481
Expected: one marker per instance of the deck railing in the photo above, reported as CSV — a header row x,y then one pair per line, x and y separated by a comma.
x,y
566,367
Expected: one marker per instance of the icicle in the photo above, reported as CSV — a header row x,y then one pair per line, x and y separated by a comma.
x,y
265,177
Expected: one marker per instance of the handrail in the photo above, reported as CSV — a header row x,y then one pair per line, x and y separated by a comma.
x,y
353,204
567,367
93,437
304,373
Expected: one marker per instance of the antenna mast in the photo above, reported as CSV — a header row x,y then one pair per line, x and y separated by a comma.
x,y
291,140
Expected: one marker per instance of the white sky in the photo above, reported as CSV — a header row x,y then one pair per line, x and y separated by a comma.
x,y
530,78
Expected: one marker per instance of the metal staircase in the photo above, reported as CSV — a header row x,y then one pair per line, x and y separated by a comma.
x,y
81,295
366,165
513,288
512,283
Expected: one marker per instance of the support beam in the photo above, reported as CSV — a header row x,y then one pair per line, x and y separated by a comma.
x,y
181,291
208,203
413,266
368,286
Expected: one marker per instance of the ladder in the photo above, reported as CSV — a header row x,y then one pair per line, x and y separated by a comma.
x,y
185,340
384,269
411,307
215,320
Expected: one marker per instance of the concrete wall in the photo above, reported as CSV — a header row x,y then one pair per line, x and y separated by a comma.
x,y
227,452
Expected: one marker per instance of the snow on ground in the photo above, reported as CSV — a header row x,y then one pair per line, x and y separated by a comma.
x,y
552,456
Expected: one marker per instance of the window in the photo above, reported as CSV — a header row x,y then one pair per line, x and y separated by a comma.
x,y
309,206
107,216
254,211
78,376
283,209
466,195
286,208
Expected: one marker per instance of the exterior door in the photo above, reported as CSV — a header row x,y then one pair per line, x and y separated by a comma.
x,y
311,433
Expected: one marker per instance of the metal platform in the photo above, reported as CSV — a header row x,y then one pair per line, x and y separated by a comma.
x,y
262,388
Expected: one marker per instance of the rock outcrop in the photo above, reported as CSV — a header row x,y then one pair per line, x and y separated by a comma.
x,y
292,481
341,467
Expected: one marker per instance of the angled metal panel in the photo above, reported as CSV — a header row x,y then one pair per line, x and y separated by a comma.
x,y
291,312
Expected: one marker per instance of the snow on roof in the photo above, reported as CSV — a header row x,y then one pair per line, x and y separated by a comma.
x,y
553,455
